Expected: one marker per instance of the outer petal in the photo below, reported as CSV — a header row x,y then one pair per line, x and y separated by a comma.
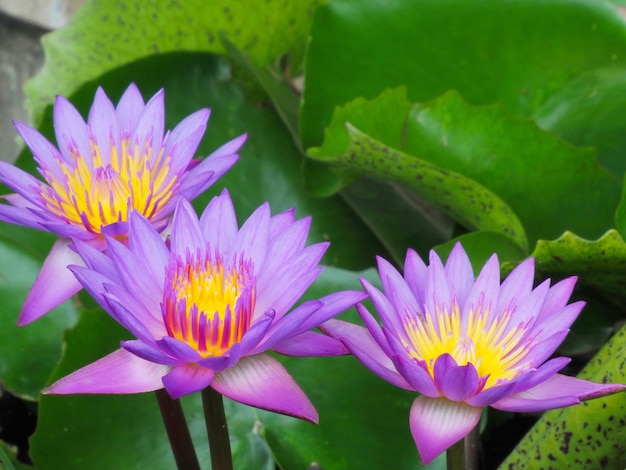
x,y
556,392
415,272
118,372
54,283
129,109
459,272
188,378
261,381
310,343
437,423
185,138
71,130
221,236
186,235
211,168
360,343
395,288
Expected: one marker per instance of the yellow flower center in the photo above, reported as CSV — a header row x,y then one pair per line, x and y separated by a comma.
x,y
486,344
207,305
93,194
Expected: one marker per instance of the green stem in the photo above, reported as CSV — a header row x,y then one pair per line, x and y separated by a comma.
x,y
464,454
217,429
177,432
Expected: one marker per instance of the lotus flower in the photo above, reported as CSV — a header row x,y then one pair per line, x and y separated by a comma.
x,y
466,343
206,309
119,161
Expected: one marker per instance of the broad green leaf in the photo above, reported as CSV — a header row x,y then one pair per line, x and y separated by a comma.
x,y
106,34
550,185
598,263
471,204
513,52
399,218
364,137
620,214
284,99
590,110
28,354
590,435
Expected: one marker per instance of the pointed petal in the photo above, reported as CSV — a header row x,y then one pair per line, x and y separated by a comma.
x,y
486,288
128,110
261,381
54,283
186,379
311,344
541,374
149,353
253,236
556,392
45,154
148,245
21,182
222,235
151,124
385,310
517,284
177,348
360,343
211,168
103,125
415,272
437,292
71,131
395,288
303,319
437,423
459,273
183,141
20,216
186,234
416,375
119,372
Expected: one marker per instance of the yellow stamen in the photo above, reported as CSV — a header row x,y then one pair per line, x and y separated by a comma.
x,y
207,305
479,341
98,194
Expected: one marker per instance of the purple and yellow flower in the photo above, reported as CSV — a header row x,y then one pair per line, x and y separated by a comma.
x,y
117,162
206,306
465,343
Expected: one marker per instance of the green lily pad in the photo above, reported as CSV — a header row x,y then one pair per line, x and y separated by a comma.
x,y
516,53
550,185
600,264
590,111
107,34
589,435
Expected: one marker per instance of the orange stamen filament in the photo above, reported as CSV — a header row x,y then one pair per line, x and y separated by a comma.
x,y
207,305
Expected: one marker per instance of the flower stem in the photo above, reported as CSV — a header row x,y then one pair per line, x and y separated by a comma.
x,y
177,432
217,429
464,454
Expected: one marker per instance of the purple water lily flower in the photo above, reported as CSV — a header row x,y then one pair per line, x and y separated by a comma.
x,y
117,162
206,309
466,343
